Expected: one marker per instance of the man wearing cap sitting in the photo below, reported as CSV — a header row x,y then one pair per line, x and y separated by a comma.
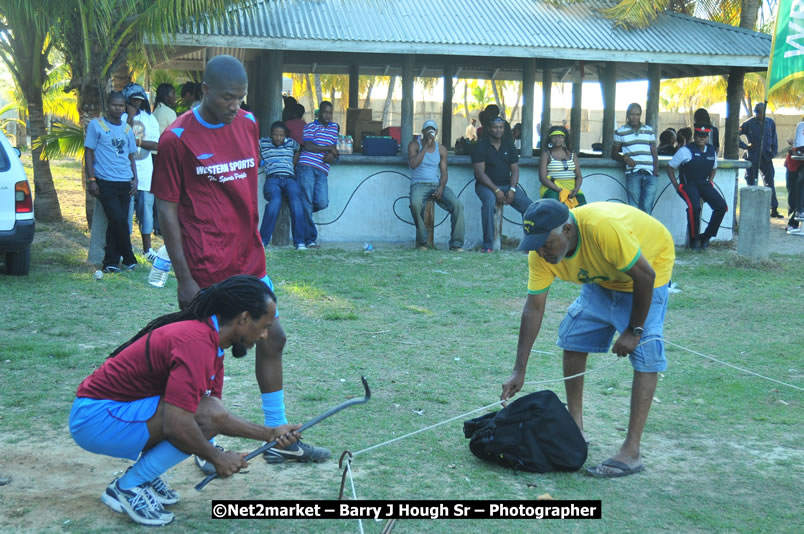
x,y
697,162
428,168
496,165
623,258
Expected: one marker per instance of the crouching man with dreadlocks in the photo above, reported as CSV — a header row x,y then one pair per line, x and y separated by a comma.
x,y
158,396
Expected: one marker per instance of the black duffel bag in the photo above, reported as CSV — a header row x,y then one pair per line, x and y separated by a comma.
x,y
533,433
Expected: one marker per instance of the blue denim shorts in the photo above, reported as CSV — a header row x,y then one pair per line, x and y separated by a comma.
x,y
144,207
598,313
113,428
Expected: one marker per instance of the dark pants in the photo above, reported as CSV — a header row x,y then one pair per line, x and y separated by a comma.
x,y
768,173
115,197
795,194
273,189
488,201
691,194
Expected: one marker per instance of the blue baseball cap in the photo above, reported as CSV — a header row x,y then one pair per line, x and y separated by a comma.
x,y
541,218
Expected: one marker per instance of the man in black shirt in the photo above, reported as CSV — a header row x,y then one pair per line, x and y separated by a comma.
x,y
496,166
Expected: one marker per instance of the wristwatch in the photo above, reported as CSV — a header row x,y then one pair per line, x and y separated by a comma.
x,y
636,330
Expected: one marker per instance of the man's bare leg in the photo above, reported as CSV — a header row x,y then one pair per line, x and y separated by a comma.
x,y
574,363
642,390
268,369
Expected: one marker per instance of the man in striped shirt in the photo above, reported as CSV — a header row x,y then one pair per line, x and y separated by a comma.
x,y
635,145
319,150
279,155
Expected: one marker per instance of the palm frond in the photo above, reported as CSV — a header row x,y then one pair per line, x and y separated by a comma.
x,y
636,13
63,140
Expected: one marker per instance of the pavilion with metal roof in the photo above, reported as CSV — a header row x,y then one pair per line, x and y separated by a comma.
x,y
523,40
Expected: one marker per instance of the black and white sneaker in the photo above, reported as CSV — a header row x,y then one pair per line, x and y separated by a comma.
x,y
164,495
139,503
208,468
298,452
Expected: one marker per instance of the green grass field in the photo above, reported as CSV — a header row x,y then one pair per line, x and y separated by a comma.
x,y
435,335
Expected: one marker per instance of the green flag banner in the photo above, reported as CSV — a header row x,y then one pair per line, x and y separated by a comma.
x,y
787,50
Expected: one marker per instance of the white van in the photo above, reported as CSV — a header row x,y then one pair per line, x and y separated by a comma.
x,y
16,211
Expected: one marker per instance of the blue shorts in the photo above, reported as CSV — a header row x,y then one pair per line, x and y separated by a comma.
x,y
144,207
267,281
598,313
113,428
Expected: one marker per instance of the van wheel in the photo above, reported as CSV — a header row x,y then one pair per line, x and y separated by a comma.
x,y
18,263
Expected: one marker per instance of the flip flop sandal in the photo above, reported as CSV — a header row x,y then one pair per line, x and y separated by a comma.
x,y
625,469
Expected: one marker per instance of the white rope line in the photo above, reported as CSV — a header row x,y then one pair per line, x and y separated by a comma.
x,y
354,492
573,376
733,366
426,428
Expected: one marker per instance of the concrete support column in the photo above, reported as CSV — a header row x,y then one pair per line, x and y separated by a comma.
x,y
253,84
269,107
528,89
654,86
446,107
547,89
575,114
752,241
406,131
608,87
269,100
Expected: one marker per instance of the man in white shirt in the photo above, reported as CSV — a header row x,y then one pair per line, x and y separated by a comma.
x,y
146,132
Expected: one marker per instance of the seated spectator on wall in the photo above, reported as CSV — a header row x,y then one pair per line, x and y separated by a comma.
x,y
667,143
296,124
279,155
428,164
559,171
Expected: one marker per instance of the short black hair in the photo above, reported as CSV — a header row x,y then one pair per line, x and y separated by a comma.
x,y
279,124
325,103
632,106
115,95
224,69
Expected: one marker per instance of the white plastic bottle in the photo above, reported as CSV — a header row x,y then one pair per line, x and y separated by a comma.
x,y
160,269
349,144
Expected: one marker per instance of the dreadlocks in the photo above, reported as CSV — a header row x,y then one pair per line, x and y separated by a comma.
x,y
226,299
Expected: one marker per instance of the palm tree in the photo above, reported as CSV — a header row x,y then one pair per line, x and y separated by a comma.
x,y
386,108
25,45
97,35
743,13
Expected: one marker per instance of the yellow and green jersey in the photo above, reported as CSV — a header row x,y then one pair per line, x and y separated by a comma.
x,y
611,238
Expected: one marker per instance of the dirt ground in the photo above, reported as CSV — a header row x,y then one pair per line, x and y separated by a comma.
x,y
781,243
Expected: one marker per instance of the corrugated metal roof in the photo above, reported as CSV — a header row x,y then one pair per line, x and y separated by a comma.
x,y
496,28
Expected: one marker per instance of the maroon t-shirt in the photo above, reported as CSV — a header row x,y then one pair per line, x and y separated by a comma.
x,y
186,364
210,171
296,130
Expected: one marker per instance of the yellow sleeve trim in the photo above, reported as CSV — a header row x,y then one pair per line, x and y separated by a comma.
x,y
628,267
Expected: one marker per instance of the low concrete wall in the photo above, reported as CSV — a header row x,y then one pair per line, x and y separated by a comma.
x,y
369,199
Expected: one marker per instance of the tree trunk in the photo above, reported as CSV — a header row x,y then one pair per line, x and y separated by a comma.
x,y
22,128
46,201
90,106
466,101
518,102
734,96
497,98
318,91
312,92
367,102
734,90
388,98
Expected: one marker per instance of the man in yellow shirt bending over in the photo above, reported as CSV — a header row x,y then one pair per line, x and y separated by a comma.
x,y
623,258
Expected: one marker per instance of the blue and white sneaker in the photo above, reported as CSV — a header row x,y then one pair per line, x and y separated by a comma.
x,y
139,503
298,452
164,495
